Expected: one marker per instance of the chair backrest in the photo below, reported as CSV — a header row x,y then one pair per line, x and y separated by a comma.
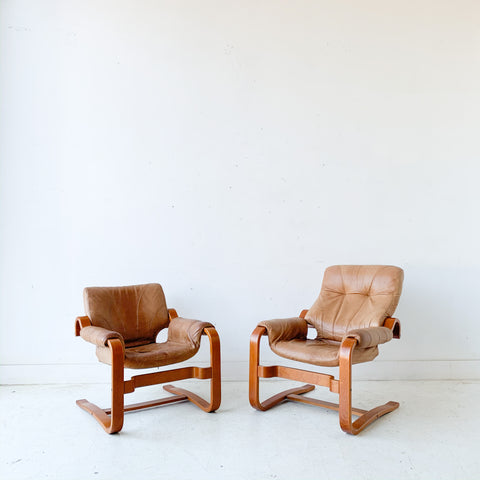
x,y
137,312
355,296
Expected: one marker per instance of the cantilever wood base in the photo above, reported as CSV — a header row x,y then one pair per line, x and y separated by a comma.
x,y
343,386
111,419
366,417
97,411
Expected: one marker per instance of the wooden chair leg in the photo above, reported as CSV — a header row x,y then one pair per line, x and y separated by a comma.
x,y
215,380
254,382
112,423
345,390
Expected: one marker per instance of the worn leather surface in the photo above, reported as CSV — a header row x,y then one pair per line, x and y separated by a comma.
x,y
184,336
354,297
151,355
285,329
354,301
99,336
319,352
288,338
370,337
186,331
136,312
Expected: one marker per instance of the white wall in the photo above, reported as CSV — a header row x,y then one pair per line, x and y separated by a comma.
x,y
231,151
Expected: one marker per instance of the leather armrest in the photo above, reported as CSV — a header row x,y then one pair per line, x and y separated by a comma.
x,y
185,330
285,329
371,336
99,336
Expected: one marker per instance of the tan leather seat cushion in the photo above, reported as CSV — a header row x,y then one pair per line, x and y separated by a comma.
x,y
151,355
353,297
319,352
184,337
288,338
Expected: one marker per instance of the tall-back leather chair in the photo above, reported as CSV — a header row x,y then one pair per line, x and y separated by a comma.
x,y
352,316
123,323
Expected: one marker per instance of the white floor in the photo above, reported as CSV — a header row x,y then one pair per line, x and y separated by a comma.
x,y
434,435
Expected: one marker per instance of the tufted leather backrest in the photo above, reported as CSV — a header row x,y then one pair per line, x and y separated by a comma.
x,y
137,312
355,296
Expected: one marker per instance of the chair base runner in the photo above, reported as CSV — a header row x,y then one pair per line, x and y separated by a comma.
x,y
321,403
281,397
194,398
150,404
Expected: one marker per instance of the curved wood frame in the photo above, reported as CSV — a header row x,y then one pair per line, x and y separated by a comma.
x,y
111,419
343,386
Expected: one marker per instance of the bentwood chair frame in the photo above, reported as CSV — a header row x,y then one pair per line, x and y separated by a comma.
x,y
111,419
352,311
342,386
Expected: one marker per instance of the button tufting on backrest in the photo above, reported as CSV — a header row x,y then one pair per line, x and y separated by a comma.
x,y
355,296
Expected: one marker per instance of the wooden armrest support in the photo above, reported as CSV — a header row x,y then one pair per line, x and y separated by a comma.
x,y
394,325
81,322
347,345
303,313
172,313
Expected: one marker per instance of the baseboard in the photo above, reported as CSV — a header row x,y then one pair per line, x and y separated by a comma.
x,y
238,371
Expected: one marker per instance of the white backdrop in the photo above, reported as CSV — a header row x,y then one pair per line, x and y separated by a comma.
x,y
231,151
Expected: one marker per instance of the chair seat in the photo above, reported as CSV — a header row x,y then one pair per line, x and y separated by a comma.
x,y
152,355
319,352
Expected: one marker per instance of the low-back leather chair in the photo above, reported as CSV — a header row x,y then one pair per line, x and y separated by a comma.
x,y
123,323
352,316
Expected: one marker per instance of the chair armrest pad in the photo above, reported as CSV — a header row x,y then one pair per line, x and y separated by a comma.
x,y
185,330
371,336
99,336
285,329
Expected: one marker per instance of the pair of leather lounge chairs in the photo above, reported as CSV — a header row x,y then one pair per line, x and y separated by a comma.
x,y
351,316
